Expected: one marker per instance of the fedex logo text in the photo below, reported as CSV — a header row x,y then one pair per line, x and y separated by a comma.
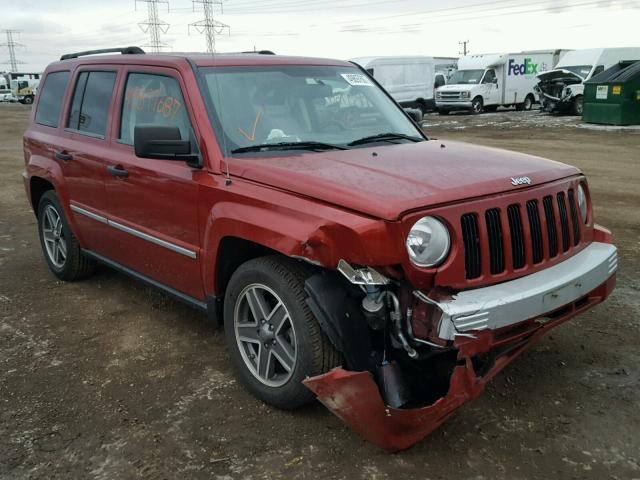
x,y
526,68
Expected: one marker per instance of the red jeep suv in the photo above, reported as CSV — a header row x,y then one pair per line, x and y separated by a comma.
x,y
349,257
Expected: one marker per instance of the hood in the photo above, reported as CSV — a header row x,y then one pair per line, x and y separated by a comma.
x,y
454,87
559,74
386,181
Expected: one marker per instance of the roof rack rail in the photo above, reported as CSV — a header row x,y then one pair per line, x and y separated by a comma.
x,y
123,51
261,52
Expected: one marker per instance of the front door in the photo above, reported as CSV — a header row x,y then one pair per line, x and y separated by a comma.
x,y
152,204
492,86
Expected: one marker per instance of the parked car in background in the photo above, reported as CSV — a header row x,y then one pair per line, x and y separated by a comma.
x,y
409,80
6,95
445,67
486,82
562,89
348,257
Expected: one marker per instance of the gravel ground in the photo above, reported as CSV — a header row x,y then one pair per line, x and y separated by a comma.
x,y
108,379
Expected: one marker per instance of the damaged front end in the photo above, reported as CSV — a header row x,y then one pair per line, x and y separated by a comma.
x,y
557,89
411,359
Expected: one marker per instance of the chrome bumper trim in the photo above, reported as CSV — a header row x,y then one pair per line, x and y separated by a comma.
x,y
535,295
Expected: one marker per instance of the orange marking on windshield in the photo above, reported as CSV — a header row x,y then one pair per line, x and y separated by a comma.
x,y
252,137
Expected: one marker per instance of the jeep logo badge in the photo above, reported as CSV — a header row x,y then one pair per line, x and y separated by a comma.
x,y
520,181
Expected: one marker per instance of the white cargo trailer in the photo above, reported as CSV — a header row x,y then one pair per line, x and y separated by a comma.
x,y
485,82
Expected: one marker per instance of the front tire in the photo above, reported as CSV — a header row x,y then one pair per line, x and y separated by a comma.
x,y
28,100
274,340
578,106
60,247
477,105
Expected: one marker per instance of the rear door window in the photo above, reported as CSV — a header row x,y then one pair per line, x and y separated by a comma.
x,y
51,98
151,99
90,105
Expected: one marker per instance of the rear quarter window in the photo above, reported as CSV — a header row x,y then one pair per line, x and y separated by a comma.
x,y
51,96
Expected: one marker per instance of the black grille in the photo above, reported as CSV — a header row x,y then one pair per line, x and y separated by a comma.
x,y
552,233
564,221
517,235
575,218
491,238
471,239
496,246
536,230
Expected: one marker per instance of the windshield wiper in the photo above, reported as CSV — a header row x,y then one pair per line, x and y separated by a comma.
x,y
385,137
265,147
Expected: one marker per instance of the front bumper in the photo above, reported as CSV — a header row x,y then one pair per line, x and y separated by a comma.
x,y
572,289
453,104
532,296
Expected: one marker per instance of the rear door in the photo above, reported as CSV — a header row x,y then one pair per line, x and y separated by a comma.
x,y
152,204
83,147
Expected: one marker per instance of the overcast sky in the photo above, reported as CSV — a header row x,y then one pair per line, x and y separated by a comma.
x,y
327,28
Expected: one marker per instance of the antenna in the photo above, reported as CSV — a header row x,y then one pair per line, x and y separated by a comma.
x,y
153,25
208,25
11,46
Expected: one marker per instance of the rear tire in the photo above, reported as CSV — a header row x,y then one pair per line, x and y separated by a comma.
x,y
28,100
443,112
273,354
60,247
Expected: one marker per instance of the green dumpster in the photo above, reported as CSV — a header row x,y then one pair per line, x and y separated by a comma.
x,y
613,96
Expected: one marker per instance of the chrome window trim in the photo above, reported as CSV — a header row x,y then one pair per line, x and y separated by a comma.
x,y
136,233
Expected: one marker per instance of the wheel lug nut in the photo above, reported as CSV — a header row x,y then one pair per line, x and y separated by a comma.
x,y
271,327
273,342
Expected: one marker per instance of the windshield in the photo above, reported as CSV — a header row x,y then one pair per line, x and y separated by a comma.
x,y
582,70
464,77
335,106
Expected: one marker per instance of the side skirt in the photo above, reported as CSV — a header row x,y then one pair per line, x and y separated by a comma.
x,y
204,307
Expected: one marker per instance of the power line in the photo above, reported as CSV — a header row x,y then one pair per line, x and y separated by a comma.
x,y
11,46
153,25
209,26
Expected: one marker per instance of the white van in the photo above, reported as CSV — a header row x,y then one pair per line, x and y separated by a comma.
x,y
562,88
409,80
485,82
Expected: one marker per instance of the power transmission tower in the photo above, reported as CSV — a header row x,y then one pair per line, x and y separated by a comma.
x,y
465,48
153,25
209,26
11,46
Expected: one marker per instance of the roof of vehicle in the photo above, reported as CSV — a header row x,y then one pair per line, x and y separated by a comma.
x,y
200,59
593,56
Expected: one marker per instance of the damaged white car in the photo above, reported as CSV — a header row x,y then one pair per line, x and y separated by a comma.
x,y
562,89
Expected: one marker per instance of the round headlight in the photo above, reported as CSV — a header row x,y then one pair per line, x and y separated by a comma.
x,y
428,242
582,203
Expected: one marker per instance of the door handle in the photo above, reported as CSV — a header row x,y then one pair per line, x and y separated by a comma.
x,y
64,156
118,171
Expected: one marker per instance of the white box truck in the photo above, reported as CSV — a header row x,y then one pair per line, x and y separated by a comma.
x,y
486,82
409,80
562,88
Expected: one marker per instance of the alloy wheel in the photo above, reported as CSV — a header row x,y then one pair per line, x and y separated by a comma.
x,y
265,335
53,235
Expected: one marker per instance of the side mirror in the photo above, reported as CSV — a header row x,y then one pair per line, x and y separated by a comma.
x,y
162,143
495,80
415,114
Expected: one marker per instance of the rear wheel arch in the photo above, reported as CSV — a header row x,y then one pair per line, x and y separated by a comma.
x,y
37,188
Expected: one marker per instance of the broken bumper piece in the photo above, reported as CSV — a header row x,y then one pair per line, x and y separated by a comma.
x,y
355,397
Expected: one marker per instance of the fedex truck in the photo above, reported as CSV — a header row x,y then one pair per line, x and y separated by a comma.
x,y
486,82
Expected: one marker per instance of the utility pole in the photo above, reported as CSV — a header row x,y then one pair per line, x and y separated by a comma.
x,y
11,46
209,26
153,25
465,48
